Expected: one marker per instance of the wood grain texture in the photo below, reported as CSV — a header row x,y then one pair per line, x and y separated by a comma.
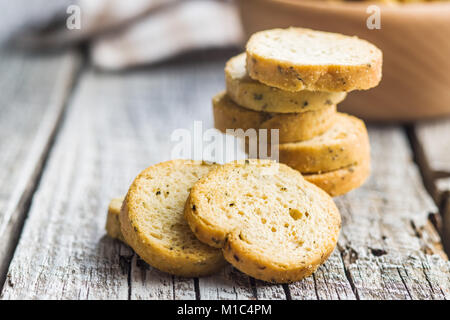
x,y
118,124
434,139
33,93
386,240
431,141
229,284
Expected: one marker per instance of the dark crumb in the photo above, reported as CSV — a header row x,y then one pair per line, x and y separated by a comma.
x,y
227,244
194,208
280,69
158,192
328,102
246,161
236,258
257,96
378,252
231,204
305,103
283,189
135,229
215,240
369,65
261,267
167,192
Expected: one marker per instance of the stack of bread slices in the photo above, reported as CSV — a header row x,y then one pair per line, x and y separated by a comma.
x,y
291,80
191,218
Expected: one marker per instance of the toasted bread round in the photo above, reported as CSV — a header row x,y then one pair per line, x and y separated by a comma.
x,y
292,126
270,222
252,94
297,59
152,221
341,181
112,219
344,144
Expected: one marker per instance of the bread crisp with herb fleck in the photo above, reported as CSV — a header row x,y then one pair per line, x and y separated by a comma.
x,y
112,219
252,94
341,181
344,144
269,221
292,126
152,220
297,59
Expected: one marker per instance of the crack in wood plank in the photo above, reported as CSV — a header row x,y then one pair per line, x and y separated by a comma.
x,y
431,143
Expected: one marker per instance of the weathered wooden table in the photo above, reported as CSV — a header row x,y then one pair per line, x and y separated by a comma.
x,y
72,137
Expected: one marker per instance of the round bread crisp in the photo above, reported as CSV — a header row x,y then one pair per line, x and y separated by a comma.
x,y
341,181
270,222
292,126
112,220
344,144
152,220
297,59
255,95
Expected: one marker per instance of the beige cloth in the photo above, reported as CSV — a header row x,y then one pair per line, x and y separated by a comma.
x,y
124,33
169,31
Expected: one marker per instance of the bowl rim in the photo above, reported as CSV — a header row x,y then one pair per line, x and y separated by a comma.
x,y
362,5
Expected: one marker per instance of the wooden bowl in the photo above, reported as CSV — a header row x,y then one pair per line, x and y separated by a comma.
x,y
415,39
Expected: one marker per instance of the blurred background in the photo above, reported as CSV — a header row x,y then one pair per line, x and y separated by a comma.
x,y
413,35
122,34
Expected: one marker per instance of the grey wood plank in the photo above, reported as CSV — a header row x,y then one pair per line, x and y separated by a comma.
x,y
386,241
229,284
431,141
267,291
330,280
434,139
33,93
